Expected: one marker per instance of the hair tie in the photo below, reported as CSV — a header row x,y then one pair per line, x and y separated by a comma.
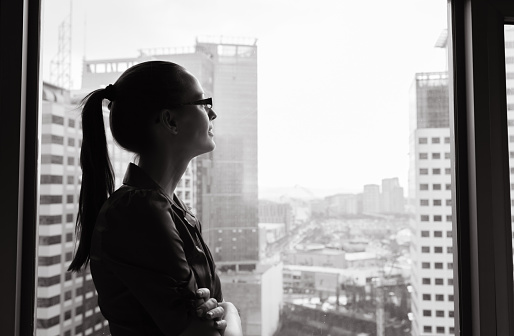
x,y
110,92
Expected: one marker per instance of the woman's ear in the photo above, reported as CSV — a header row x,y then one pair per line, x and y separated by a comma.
x,y
168,120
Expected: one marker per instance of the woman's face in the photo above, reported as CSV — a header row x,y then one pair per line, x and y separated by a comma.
x,y
194,122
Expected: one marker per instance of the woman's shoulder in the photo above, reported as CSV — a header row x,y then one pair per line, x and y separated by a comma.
x,y
128,198
132,205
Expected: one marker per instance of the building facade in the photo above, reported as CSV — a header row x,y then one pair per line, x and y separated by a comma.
x,y
430,189
371,199
66,302
391,197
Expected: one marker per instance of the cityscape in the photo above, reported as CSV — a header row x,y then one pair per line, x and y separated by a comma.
x,y
378,262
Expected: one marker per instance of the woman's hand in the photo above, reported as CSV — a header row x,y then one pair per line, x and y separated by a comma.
x,y
232,320
208,308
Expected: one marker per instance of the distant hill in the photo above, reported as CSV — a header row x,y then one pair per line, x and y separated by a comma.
x,y
298,192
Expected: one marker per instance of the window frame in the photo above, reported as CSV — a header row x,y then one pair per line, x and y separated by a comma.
x,y
19,104
481,188
480,173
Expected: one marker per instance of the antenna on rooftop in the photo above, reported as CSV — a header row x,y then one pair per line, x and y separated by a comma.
x,y
60,65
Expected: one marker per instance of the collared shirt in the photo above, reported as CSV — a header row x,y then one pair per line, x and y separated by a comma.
x,y
148,258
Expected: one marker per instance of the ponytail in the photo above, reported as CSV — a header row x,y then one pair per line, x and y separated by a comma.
x,y
97,173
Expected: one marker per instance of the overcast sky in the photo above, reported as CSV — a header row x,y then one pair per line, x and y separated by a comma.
x,y
334,75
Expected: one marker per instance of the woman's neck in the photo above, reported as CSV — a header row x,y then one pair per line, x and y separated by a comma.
x,y
165,170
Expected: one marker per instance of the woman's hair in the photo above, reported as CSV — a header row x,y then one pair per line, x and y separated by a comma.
x,y
135,99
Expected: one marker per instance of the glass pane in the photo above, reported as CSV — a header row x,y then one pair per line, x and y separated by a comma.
x,y
326,204
509,74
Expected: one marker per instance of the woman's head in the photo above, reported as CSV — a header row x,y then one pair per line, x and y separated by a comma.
x,y
156,108
151,93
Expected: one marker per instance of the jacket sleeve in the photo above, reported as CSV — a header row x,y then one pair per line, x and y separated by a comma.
x,y
142,247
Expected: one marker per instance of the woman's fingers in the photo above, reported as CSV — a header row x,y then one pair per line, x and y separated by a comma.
x,y
220,324
203,293
216,313
207,306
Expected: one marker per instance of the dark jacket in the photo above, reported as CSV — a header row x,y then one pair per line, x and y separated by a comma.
x,y
148,259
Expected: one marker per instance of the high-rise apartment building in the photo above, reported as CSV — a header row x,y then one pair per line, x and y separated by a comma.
x,y
66,302
391,197
371,198
430,191
224,184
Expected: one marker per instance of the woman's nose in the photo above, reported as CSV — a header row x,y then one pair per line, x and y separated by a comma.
x,y
212,114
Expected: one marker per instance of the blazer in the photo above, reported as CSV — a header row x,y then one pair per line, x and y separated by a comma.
x,y
147,260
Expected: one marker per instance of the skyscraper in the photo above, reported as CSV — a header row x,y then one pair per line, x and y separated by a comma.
x,y
66,302
391,197
430,190
371,199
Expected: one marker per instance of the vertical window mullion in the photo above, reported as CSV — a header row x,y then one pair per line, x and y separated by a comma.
x,y
481,171
19,92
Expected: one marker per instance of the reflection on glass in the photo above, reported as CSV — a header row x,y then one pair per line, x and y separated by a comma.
x,y
367,260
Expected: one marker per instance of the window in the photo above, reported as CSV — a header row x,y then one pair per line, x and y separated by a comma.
x,y
425,265
423,186
479,16
423,156
424,218
422,141
51,179
427,297
56,159
423,171
438,234
438,265
446,140
447,156
71,142
425,249
435,140
436,156
52,139
426,281
439,297
427,329
439,281
436,186
438,249
447,171
440,330
436,171
448,202
425,233
437,218
427,313
423,202
439,313
50,199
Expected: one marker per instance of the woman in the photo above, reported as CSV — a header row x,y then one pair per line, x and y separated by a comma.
x,y
152,270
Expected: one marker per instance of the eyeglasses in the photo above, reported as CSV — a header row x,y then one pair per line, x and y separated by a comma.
x,y
205,103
